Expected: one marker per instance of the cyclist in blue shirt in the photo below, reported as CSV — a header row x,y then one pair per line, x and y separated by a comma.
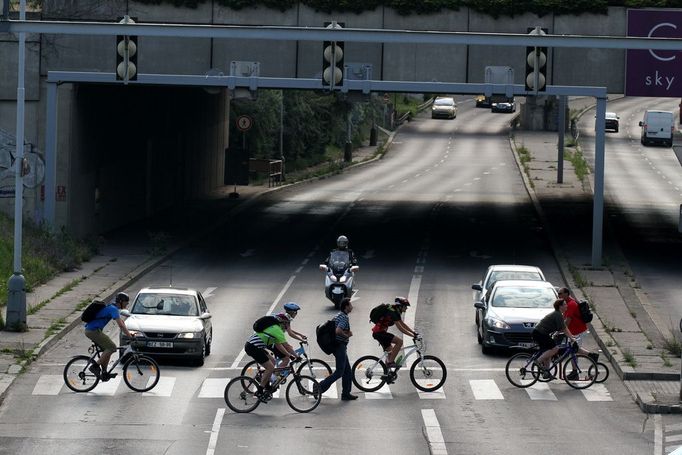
x,y
94,330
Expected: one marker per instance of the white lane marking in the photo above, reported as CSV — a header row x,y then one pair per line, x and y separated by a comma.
x,y
384,393
163,389
658,435
485,389
106,388
413,297
215,430
332,392
241,355
435,395
597,392
213,387
433,433
49,384
541,391
208,292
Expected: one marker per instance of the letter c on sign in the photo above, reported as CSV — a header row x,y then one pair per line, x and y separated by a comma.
x,y
651,32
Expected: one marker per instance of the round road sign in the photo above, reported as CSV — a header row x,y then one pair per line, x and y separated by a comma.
x,y
244,122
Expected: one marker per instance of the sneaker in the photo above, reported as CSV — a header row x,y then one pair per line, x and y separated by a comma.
x,y
96,370
573,376
348,397
594,356
547,375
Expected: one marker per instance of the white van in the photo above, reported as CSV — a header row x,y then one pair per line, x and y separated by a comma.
x,y
658,128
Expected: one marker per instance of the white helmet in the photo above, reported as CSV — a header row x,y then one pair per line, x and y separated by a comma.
x,y
342,242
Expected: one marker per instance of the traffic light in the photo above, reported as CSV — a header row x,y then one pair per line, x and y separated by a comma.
x,y
536,64
332,59
126,54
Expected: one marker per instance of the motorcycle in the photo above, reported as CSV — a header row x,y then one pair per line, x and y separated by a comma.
x,y
338,281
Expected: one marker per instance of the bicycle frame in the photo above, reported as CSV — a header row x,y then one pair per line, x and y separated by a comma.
x,y
122,352
404,353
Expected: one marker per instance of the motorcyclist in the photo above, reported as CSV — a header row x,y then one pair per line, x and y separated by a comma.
x,y
342,245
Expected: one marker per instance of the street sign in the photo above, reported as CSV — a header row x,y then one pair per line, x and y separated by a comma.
x,y
244,123
654,73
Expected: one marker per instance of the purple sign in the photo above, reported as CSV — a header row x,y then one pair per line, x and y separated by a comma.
x,y
651,72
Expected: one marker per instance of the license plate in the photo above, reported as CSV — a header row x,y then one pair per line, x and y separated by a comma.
x,y
160,344
525,345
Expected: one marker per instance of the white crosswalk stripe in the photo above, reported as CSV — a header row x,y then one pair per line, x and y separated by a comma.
x,y
384,393
163,389
106,388
48,384
213,388
485,389
597,392
541,391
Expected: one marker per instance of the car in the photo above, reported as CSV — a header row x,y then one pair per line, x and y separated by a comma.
x,y
444,107
482,101
170,321
503,106
497,272
611,121
658,127
510,311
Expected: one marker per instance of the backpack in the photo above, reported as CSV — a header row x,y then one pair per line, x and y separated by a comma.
x,y
379,312
90,312
585,312
326,336
264,322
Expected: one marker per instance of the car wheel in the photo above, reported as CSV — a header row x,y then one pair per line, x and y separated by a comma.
x,y
479,337
477,320
199,360
207,349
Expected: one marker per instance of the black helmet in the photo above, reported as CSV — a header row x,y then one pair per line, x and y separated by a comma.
x,y
342,242
122,297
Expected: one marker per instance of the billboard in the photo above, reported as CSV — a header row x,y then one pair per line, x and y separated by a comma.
x,y
651,72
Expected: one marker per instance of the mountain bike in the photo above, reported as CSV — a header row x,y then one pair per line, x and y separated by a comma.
x,y
577,370
140,372
427,373
244,393
254,370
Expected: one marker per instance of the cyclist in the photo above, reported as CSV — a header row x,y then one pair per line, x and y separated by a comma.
x,y
574,322
270,338
94,330
291,309
387,340
553,322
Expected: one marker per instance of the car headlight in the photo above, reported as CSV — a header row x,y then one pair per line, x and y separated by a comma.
x,y
189,335
497,323
134,333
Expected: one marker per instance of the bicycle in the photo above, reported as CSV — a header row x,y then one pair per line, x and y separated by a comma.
x,y
370,373
140,372
254,369
522,369
244,393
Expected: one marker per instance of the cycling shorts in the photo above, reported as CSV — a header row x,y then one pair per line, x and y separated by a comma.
x,y
258,354
101,340
385,339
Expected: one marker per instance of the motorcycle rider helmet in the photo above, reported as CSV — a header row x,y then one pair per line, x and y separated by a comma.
x,y
291,306
342,242
402,301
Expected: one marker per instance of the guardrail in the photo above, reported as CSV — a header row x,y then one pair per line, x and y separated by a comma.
x,y
408,114
271,168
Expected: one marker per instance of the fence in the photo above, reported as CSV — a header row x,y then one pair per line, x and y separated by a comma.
x,y
273,169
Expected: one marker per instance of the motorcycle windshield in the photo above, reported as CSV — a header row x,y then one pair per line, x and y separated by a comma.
x,y
339,261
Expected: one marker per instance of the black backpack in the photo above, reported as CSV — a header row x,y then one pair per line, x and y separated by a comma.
x,y
326,336
585,311
379,312
90,312
264,322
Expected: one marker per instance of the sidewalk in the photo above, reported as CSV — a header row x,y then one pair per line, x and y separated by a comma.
x,y
124,257
627,329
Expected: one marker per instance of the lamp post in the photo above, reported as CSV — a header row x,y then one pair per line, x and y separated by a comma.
x,y
16,301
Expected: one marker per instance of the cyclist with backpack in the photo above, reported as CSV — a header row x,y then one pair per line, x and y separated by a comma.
x,y
575,323
94,330
384,316
291,309
269,337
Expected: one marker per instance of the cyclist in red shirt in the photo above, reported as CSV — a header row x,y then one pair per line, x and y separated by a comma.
x,y
574,322
387,340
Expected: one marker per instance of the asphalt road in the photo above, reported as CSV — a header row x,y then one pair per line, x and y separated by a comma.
x,y
425,221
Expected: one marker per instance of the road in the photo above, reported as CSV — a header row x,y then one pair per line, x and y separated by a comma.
x,y
425,221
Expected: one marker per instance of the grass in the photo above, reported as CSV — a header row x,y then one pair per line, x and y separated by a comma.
x,y
580,166
72,284
629,358
672,345
666,360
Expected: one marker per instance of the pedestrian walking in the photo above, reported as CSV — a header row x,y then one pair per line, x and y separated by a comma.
x,y
343,370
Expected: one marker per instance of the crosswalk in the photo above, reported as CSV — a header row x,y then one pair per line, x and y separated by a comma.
x,y
481,389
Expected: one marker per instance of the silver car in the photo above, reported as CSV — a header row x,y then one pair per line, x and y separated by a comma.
x,y
170,322
510,311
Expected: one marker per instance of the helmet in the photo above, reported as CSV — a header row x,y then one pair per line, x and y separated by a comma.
x,y
122,297
402,301
291,306
342,242
283,317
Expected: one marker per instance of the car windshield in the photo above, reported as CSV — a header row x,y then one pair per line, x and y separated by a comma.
x,y
513,275
513,297
165,304
611,115
444,102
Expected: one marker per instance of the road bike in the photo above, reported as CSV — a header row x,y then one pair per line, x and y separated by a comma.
x,y
244,393
308,365
427,373
140,372
577,370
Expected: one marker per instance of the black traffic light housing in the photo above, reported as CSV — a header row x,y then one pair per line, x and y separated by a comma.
x,y
332,59
536,57
126,54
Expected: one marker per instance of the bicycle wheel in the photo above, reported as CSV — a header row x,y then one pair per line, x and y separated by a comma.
x,y
240,398
252,370
369,373
429,374
318,369
602,373
519,370
141,373
77,375
582,374
303,393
